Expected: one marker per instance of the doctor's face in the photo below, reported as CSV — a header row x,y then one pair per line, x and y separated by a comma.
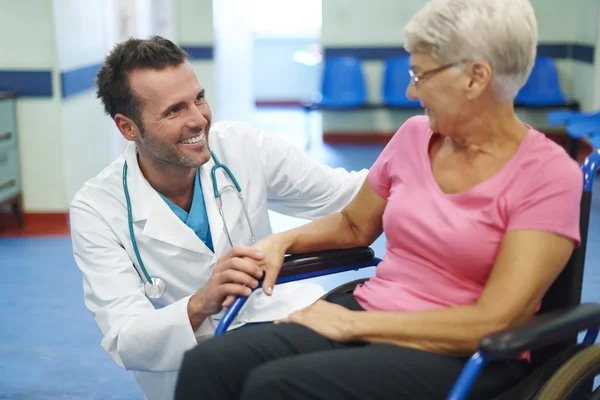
x,y
175,115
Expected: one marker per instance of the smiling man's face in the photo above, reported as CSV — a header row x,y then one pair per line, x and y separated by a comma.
x,y
175,115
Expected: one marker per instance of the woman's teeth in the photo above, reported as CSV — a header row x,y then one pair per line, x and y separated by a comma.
x,y
194,139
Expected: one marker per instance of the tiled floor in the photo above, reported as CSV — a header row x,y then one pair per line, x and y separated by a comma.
x,y
50,347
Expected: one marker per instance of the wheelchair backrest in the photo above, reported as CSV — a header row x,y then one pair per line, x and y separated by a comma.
x,y
566,290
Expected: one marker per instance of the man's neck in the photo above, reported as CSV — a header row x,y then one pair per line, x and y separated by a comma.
x,y
174,182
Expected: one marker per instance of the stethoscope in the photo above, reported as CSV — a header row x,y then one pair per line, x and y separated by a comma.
x,y
155,287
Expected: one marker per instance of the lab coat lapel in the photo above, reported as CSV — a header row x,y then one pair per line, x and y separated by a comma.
x,y
161,223
231,208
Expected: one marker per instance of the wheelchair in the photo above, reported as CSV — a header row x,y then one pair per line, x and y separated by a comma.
x,y
560,367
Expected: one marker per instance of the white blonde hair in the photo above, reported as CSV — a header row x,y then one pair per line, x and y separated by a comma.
x,y
501,32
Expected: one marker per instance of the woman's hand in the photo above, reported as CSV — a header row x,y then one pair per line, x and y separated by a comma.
x,y
274,248
330,320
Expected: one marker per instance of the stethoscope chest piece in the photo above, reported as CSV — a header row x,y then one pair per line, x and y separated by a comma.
x,y
156,289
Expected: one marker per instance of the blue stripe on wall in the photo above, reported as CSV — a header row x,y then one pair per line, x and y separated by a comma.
x,y
365,53
27,83
78,80
578,52
554,50
199,52
583,52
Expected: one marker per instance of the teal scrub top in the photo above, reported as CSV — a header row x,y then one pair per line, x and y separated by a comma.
x,y
197,218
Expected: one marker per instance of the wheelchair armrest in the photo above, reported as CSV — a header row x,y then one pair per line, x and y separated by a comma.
x,y
540,331
300,264
309,265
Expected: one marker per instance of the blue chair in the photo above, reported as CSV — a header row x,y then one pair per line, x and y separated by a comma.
x,y
395,81
582,128
578,125
542,88
564,117
557,359
343,84
595,140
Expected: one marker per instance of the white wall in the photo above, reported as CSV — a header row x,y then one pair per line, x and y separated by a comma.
x,y
194,28
586,26
82,41
27,32
366,23
79,33
27,35
65,141
276,76
233,99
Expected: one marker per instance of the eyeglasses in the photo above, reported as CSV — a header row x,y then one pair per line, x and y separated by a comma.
x,y
417,77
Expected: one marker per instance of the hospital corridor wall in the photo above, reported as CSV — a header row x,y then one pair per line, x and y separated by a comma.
x,y
50,51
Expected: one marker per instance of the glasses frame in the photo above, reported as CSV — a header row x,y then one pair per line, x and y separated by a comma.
x,y
415,78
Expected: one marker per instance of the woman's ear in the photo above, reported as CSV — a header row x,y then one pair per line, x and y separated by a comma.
x,y
480,76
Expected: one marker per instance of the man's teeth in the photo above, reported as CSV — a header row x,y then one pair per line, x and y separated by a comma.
x,y
193,140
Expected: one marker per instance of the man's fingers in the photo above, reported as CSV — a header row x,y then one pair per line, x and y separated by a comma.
x,y
234,290
248,266
235,276
245,251
244,265
228,301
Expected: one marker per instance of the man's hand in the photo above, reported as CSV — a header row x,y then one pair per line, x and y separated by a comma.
x,y
236,274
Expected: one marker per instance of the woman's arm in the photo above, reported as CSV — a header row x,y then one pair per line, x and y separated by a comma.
x,y
358,224
528,262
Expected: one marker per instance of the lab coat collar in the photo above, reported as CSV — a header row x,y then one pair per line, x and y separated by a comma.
x,y
161,223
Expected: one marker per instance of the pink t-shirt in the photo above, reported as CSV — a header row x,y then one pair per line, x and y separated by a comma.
x,y
441,247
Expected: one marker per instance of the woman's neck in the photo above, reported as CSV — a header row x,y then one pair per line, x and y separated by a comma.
x,y
490,132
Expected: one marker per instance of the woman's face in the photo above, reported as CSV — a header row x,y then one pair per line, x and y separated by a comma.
x,y
443,92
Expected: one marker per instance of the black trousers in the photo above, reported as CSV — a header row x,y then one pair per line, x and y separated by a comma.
x,y
290,361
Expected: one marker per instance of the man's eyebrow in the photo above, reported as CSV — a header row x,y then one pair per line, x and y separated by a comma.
x,y
172,106
201,93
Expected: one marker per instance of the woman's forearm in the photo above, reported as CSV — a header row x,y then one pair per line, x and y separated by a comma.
x,y
332,232
357,225
453,331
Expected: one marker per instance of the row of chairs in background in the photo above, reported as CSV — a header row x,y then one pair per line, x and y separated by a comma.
x,y
343,86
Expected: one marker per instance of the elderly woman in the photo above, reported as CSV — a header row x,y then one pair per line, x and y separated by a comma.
x,y
480,212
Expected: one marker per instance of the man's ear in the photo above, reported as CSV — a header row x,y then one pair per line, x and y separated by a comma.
x,y
480,74
127,127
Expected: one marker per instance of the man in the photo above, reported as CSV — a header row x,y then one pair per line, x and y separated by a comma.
x,y
159,257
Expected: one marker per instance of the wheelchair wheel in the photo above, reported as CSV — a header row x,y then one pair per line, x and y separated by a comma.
x,y
572,376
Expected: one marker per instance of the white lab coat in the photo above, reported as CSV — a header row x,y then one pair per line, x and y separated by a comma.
x,y
151,337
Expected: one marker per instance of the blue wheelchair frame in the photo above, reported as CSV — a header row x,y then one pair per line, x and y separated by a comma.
x,y
506,344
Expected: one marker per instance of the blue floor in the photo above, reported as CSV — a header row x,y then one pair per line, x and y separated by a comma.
x,y
50,347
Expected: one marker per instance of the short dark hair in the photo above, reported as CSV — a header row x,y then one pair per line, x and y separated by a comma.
x,y
112,81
